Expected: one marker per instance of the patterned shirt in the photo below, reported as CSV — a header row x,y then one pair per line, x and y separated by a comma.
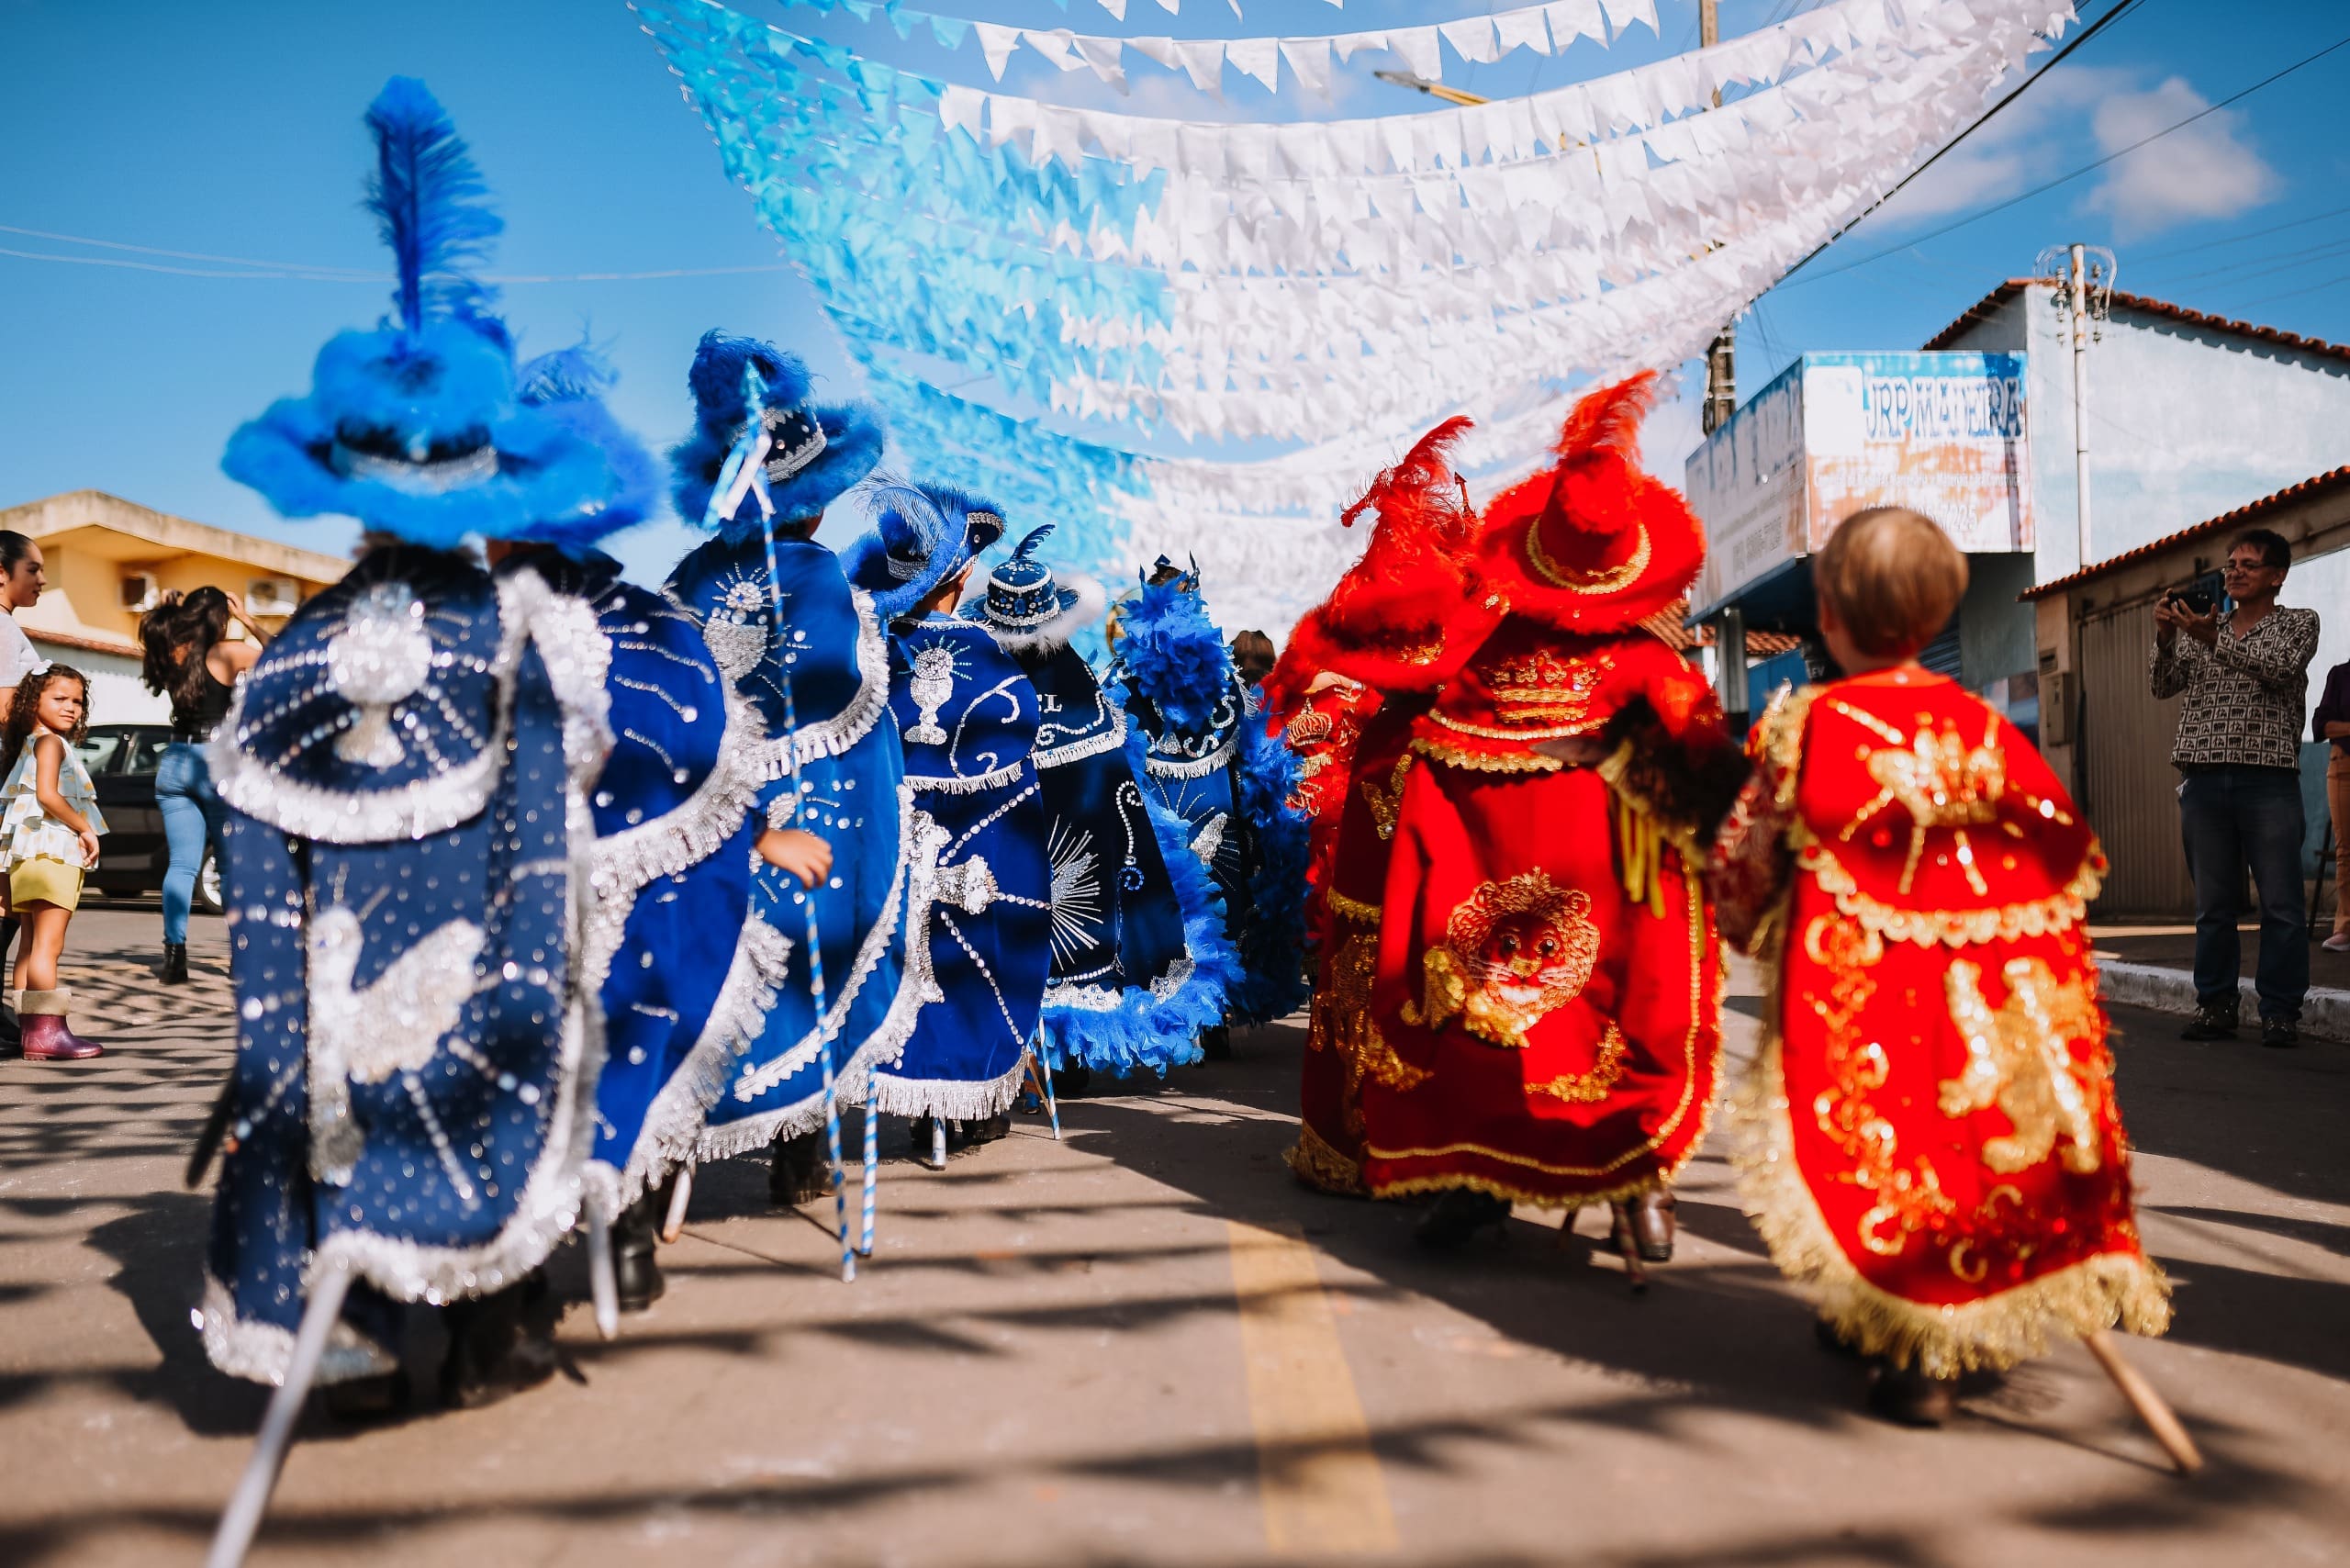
x,y
2244,695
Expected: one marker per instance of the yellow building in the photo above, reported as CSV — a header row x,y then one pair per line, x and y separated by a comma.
x,y
108,561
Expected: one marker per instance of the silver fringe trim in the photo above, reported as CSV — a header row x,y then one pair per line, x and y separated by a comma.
x,y
1200,768
1054,634
1073,997
1112,739
920,841
955,784
672,1125
260,1352
831,737
950,1098
427,805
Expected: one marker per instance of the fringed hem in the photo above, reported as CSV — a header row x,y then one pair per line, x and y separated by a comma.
x,y
1193,767
952,1099
672,1125
2112,1289
1093,745
262,1351
956,784
1445,1182
1314,1161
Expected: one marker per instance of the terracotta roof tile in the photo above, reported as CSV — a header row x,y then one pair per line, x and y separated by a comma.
x,y
1981,309
2251,511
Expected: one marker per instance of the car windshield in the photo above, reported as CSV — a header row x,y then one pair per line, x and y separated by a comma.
x,y
100,750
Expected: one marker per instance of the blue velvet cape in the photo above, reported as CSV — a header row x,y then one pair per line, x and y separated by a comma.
x,y
1140,961
406,771
676,828
983,884
817,672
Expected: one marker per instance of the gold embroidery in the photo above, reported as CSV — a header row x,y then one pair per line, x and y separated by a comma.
x,y
1513,952
1603,579
1528,732
1701,1034
1541,686
1937,778
2020,1058
1589,1088
1343,1014
1310,726
2059,912
1385,803
1345,908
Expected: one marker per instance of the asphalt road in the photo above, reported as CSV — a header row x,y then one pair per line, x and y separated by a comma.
x,y
1144,1345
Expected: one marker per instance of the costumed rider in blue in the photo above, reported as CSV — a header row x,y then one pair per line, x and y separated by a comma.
x,y
408,839
677,831
811,655
1140,961
1208,761
982,917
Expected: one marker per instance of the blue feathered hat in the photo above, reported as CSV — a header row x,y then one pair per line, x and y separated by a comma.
x,y
1023,597
569,385
920,536
809,455
415,428
1172,654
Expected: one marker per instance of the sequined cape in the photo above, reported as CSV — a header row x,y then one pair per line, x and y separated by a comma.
x,y
675,827
1340,1031
1140,961
1928,1136
1546,1013
406,773
811,657
1323,734
980,941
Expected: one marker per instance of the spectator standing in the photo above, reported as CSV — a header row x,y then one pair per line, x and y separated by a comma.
x,y
2244,676
2332,722
50,818
188,656
1252,656
23,573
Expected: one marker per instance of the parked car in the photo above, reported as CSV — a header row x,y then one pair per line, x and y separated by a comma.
x,y
132,857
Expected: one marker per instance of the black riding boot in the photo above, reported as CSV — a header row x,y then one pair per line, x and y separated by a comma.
x,y
499,1345
635,1271
175,963
800,1174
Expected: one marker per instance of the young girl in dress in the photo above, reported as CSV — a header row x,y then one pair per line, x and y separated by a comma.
x,y
51,823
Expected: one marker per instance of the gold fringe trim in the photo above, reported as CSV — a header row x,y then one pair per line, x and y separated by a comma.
x,y
1485,762
1953,927
1411,1186
1345,908
2112,1289
1319,1165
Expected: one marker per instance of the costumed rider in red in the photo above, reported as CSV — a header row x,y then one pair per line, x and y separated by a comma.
x,y
1356,671
1547,1002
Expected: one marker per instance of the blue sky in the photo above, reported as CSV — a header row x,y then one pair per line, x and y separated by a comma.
x,y
233,129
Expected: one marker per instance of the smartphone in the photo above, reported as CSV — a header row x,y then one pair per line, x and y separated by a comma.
x,y
2199,600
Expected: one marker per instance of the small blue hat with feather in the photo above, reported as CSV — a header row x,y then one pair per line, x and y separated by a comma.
x,y
919,536
415,428
806,456
568,386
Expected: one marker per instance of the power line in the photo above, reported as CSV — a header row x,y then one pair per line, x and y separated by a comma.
x,y
2142,259
2061,179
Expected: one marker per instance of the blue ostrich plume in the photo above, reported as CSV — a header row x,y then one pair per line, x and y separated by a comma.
x,y
429,201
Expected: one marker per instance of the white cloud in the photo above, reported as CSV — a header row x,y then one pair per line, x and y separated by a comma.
x,y
2202,172
2018,147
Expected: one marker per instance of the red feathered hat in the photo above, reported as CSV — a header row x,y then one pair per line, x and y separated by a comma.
x,y
1594,543
1404,617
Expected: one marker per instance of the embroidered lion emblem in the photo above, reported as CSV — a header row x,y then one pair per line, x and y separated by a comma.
x,y
1513,952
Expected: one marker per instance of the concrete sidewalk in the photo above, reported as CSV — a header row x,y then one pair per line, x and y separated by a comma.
x,y
2153,967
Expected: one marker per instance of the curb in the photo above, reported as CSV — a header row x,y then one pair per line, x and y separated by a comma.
x,y
2325,1012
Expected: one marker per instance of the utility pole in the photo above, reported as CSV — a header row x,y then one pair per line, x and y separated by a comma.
x,y
1721,368
2083,275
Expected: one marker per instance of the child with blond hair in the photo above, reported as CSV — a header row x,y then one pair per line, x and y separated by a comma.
x,y
49,823
1929,1136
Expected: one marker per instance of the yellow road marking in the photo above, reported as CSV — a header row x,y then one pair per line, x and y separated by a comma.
x,y
1320,1482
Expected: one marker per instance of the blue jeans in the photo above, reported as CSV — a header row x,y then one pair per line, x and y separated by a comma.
x,y
192,818
2234,818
